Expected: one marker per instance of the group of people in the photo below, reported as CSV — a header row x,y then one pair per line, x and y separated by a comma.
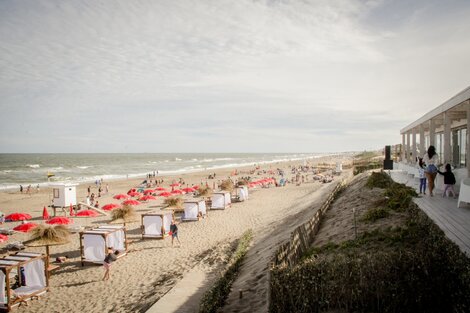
x,y
428,168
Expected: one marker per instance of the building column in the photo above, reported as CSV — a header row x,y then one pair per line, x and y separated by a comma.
x,y
447,146
432,134
403,153
467,152
413,145
422,146
408,147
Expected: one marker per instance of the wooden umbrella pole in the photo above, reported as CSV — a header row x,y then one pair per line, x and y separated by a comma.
x,y
47,262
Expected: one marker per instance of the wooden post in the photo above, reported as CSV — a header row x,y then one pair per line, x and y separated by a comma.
x,y
7,281
125,238
47,262
82,256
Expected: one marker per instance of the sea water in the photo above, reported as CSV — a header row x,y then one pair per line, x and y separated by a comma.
x,y
25,169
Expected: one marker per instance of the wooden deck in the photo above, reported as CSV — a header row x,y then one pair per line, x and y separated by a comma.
x,y
455,222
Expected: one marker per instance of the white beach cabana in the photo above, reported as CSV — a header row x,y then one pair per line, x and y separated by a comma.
x,y
221,200
156,224
242,193
94,243
32,282
194,209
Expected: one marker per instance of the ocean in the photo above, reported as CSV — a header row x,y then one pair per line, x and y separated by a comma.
x,y
25,169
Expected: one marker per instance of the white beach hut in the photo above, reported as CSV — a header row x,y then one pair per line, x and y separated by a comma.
x,y
156,224
31,281
94,243
194,209
64,194
242,193
220,200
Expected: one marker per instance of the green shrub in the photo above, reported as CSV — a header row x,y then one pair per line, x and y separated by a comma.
x,y
379,180
374,214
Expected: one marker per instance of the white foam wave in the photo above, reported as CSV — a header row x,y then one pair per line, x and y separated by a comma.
x,y
34,165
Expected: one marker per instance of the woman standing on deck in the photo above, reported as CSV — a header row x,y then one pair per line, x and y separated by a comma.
x,y
431,159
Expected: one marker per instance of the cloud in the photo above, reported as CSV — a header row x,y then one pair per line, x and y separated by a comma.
x,y
195,75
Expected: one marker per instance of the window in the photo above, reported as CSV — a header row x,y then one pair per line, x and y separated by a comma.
x,y
56,192
439,144
459,147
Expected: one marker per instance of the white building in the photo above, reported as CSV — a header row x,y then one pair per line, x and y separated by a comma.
x,y
64,194
445,127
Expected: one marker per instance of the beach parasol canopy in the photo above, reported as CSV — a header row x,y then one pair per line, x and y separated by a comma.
x,y
165,194
188,189
174,185
121,196
109,207
149,191
45,214
131,202
61,220
88,213
3,238
160,189
177,192
18,217
196,187
24,228
134,194
147,198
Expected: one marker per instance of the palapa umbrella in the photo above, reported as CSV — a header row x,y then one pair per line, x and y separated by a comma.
x,y
149,191
45,214
48,235
131,202
124,215
147,198
3,238
24,228
165,194
109,207
61,220
121,196
18,217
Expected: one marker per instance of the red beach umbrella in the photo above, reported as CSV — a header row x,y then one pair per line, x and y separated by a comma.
x,y
109,207
174,185
131,202
134,194
196,187
188,189
165,194
45,214
147,198
149,191
160,189
25,227
3,238
60,220
88,213
71,210
121,196
177,192
18,217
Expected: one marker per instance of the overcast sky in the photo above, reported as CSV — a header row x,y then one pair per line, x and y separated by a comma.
x,y
225,76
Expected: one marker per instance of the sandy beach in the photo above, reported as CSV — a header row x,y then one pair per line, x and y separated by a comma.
x,y
153,267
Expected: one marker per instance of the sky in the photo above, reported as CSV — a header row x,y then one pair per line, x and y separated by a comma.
x,y
224,76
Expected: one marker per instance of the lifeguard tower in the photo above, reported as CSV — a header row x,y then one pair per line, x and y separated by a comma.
x,y
63,195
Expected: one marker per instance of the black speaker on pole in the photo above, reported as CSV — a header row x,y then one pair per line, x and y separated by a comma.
x,y
388,162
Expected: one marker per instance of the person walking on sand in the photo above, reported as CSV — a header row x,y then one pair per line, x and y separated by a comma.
x,y
110,258
431,158
449,181
422,176
174,232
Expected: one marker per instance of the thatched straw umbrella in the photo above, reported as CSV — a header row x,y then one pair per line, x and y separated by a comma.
x,y
174,203
48,235
123,215
227,185
205,193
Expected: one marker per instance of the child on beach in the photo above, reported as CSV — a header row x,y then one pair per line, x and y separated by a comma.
x,y
449,181
174,232
110,258
422,176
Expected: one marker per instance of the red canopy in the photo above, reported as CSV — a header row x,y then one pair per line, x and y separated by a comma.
x,y
160,188
60,220
177,192
174,185
45,214
146,198
165,194
109,207
188,189
18,217
149,191
131,202
3,238
195,187
88,213
134,194
121,196
25,227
